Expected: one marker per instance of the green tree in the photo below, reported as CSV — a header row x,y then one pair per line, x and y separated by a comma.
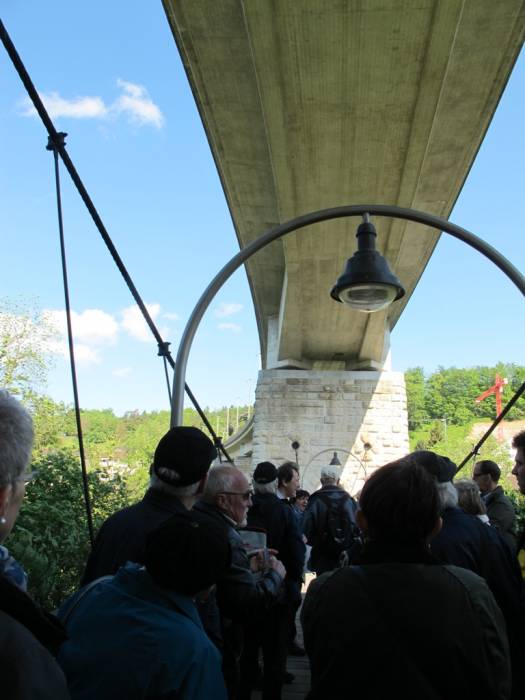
x,y
50,538
415,388
25,335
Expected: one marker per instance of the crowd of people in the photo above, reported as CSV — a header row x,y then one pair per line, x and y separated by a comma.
x,y
193,592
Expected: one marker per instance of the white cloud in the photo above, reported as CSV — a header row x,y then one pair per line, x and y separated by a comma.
x,y
121,372
76,108
92,326
133,102
137,104
234,327
171,316
92,329
227,309
84,355
134,323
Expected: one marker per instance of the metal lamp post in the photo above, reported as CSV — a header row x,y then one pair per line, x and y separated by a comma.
x,y
343,288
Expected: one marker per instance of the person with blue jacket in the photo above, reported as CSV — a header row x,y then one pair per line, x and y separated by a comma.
x,y
138,634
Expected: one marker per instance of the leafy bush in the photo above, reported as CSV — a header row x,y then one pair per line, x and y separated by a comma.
x,y
50,538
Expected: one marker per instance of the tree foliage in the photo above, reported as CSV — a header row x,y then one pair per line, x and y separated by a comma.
x,y
50,537
450,393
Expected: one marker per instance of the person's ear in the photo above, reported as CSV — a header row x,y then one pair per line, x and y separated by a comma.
x,y
362,522
5,497
202,485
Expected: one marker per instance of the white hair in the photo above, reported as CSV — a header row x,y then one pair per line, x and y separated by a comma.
x,y
330,471
265,488
220,479
170,489
448,495
16,438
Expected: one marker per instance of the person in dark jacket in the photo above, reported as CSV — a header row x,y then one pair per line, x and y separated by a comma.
x,y
518,442
500,510
178,474
326,552
29,637
137,635
240,596
272,632
409,626
467,542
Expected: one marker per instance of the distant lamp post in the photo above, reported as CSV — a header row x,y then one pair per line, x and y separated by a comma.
x,y
295,448
367,283
334,462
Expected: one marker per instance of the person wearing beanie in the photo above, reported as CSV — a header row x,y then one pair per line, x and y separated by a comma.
x,y
137,635
177,477
272,634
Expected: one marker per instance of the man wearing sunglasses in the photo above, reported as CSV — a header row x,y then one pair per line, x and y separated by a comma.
x,y
240,596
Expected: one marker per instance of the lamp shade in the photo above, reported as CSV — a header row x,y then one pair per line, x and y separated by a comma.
x,y
367,283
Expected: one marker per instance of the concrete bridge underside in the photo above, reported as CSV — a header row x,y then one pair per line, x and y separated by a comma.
x,y
316,103
310,104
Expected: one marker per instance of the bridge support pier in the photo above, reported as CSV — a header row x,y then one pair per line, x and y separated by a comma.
x,y
361,415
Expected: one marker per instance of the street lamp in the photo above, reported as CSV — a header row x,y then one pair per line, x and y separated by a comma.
x,y
367,283
346,287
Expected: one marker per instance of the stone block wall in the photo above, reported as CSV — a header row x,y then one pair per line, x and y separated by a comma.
x,y
361,414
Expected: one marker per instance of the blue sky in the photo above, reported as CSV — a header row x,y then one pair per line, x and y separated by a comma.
x,y
112,79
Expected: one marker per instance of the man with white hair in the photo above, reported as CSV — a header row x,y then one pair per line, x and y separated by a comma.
x,y
329,522
240,596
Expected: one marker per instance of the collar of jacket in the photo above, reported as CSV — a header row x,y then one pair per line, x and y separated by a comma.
x,y
493,495
45,627
164,501
215,513
394,552
135,580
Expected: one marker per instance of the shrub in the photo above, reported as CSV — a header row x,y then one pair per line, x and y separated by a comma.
x,y
51,538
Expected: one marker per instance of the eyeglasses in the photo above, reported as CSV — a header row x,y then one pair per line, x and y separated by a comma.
x,y
28,476
246,495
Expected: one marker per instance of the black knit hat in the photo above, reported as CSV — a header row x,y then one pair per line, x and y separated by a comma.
x,y
183,456
439,466
188,553
265,473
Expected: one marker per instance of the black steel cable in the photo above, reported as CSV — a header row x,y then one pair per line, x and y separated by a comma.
x,y
53,135
52,146
475,450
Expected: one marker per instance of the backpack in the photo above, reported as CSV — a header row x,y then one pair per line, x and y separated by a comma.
x,y
339,532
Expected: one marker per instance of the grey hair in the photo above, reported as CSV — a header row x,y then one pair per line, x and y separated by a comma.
x,y
265,488
220,479
16,438
330,472
448,496
469,497
170,490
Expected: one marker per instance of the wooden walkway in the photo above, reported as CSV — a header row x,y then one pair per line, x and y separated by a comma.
x,y
298,665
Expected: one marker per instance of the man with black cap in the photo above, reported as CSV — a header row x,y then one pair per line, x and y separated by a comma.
x,y
467,542
138,634
177,477
275,516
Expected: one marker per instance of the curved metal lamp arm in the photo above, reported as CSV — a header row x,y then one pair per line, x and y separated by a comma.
x,y
299,222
